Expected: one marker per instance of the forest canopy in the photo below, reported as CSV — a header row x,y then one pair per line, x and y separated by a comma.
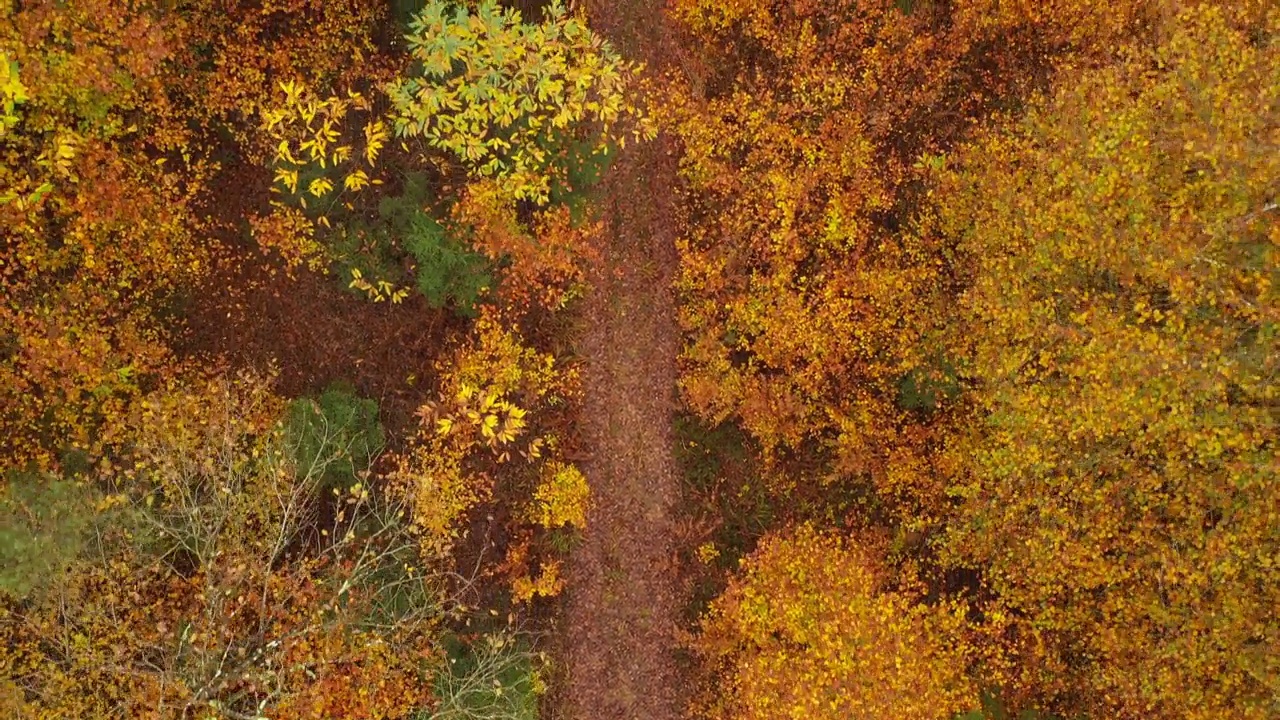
x,y
974,307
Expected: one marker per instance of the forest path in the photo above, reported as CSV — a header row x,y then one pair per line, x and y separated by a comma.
x,y
623,602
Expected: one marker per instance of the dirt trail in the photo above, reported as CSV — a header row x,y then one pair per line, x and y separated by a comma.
x,y
623,601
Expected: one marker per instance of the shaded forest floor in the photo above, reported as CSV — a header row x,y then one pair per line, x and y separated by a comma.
x,y
256,315
623,605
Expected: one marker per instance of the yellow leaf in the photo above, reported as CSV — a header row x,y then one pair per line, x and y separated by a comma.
x,y
288,178
320,186
356,181
375,135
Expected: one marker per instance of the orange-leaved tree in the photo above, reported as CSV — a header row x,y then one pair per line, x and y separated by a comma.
x,y
809,310
230,55
97,233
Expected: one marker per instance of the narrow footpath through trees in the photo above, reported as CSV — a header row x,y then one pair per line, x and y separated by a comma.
x,y
623,605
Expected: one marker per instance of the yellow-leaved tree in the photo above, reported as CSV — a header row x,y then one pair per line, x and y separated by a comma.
x,y
497,109
497,398
1120,488
811,629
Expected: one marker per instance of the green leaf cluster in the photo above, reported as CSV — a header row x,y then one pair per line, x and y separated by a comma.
x,y
445,268
448,271
44,524
338,433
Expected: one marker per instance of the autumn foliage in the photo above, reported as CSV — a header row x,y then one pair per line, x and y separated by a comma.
x,y
1122,262
118,115
984,290
803,127
217,550
997,279
228,583
506,96
810,629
